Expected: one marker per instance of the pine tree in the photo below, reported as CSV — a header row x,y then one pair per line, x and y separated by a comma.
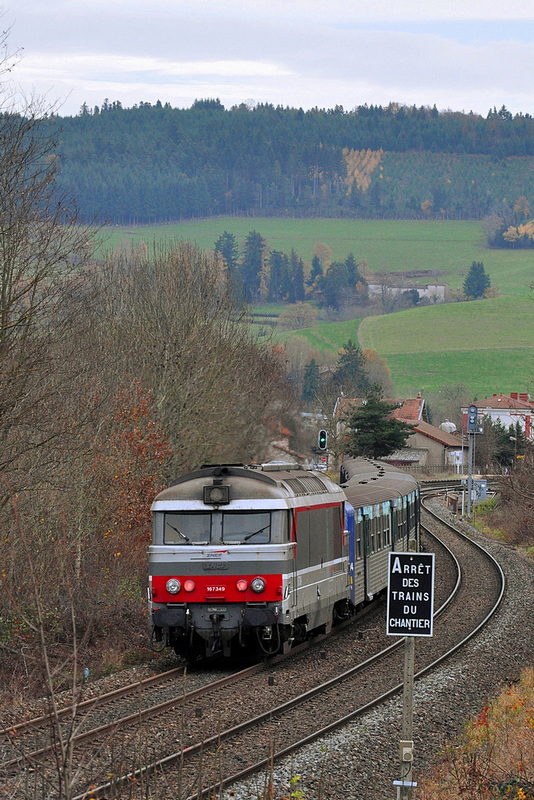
x,y
226,245
353,273
277,274
316,270
297,276
477,281
349,375
252,264
334,285
372,431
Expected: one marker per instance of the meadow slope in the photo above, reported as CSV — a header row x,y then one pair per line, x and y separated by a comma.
x,y
443,246
485,345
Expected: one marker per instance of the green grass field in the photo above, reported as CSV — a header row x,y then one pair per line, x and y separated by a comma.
x,y
482,372
327,335
484,345
388,245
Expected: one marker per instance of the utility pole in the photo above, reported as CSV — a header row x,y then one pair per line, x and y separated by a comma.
x,y
406,787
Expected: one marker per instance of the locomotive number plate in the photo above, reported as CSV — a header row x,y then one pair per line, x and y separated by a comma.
x,y
216,609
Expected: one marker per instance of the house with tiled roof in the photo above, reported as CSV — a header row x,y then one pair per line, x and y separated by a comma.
x,y
429,446
410,410
506,409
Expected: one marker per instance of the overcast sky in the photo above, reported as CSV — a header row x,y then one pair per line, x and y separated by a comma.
x,y
465,55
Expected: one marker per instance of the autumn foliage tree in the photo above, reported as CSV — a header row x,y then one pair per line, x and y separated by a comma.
x,y
130,456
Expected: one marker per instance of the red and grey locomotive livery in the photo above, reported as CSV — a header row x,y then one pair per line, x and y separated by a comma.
x,y
226,570
252,559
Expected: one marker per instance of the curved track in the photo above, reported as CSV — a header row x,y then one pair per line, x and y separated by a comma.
x,y
291,706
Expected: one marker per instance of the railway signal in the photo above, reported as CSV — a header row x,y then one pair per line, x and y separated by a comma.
x,y
472,430
472,419
322,440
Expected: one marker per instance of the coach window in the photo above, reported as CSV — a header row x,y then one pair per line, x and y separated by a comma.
x,y
187,528
358,533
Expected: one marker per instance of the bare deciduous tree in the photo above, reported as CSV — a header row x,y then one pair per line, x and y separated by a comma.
x,y
41,249
168,317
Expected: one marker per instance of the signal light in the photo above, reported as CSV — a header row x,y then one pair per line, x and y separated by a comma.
x,y
189,586
242,585
472,418
322,440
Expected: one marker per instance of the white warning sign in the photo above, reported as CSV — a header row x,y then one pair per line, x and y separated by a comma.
x,y
410,607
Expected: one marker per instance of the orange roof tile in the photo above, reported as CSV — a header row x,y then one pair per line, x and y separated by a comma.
x,y
503,401
410,410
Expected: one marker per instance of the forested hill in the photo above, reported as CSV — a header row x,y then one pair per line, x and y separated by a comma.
x,y
154,163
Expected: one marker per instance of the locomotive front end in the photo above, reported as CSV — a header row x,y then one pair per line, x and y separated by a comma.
x,y
218,561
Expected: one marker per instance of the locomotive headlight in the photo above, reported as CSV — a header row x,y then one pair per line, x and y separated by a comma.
x,y
173,585
241,585
258,585
216,495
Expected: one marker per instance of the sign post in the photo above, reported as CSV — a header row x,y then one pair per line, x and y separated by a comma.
x,y
472,429
410,612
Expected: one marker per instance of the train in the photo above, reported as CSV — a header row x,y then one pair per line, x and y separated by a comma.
x,y
250,560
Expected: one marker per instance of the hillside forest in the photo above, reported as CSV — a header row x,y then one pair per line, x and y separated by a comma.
x,y
155,163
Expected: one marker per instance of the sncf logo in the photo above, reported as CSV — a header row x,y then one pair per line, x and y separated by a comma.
x,y
215,588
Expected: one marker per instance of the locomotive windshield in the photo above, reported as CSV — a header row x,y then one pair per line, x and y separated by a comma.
x,y
187,528
246,527
229,527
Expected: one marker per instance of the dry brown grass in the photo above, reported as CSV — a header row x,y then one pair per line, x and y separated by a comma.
x,y
495,757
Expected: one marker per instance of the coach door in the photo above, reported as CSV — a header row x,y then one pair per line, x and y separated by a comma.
x,y
294,578
350,531
366,535
393,524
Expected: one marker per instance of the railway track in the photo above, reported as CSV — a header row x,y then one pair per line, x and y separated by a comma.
x,y
205,735
94,721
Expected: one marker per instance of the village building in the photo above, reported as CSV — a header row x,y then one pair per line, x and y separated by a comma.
x,y
435,292
433,447
428,448
516,408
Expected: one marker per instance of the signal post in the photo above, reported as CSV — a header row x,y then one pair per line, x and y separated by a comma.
x,y
410,607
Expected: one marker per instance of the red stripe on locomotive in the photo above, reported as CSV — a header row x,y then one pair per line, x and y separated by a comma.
x,y
214,589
